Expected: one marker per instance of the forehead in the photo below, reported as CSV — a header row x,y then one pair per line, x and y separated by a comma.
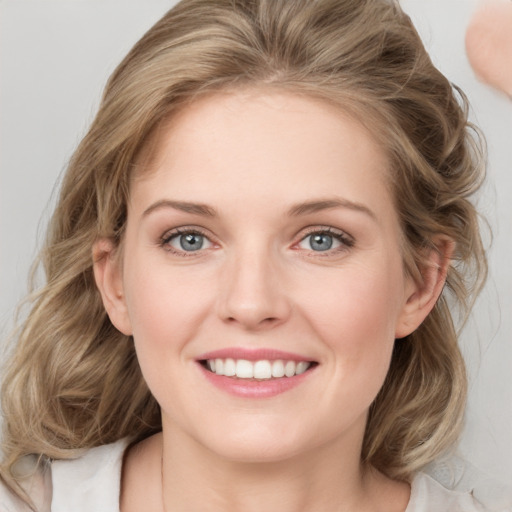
x,y
262,142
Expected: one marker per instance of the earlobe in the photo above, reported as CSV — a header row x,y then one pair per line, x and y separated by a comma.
x,y
422,295
108,277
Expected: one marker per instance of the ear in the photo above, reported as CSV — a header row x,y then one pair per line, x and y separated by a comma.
x,y
422,295
109,280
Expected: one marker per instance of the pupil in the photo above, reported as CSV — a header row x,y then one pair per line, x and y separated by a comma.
x,y
321,242
191,242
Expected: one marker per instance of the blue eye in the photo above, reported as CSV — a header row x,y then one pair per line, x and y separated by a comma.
x,y
322,241
190,241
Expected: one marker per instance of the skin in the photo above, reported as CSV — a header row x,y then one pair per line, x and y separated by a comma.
x,y
253,156
489,43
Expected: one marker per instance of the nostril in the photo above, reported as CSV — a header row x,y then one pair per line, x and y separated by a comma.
x,y
252,322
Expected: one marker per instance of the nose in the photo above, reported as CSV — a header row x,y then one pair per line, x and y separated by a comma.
x,y
252,293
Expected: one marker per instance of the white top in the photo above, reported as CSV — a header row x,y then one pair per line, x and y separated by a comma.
x,y
91,483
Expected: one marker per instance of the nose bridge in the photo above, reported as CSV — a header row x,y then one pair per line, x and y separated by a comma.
x,y
251,292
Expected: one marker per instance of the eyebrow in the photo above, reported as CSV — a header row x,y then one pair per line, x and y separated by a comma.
x,y
304,208
184,206
327,204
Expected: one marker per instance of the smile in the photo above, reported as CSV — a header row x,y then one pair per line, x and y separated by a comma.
x,y
255,373
260,370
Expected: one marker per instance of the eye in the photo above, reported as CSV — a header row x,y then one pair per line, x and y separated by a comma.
x,y
180,241
325,240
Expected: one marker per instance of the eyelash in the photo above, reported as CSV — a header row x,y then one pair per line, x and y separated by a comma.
x,y
169,235
345,240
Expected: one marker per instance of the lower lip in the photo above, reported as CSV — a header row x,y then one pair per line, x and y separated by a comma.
x,y
246,388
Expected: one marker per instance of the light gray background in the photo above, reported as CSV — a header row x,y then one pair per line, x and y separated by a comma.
x,y
55,57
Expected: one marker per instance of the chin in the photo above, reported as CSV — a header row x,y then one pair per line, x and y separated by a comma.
x,y
266,444
256,443
257,452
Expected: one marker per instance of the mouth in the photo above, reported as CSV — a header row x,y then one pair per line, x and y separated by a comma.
x,y
249,373
261,370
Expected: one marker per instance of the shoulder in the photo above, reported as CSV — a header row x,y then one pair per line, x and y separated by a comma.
x,y
459,474
89,482
35,480
427,494
9,502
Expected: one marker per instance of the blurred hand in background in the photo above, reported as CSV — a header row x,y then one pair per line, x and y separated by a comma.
x,y
489,43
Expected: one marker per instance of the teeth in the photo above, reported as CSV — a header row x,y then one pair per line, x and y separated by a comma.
x,y
244,369
289,368
261,370
229,368
301,367
278,369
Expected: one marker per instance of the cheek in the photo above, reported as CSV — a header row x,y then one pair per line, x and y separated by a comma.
x,y
358,304
166,314
165,310
357,319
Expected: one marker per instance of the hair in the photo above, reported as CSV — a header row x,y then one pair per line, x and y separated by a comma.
x,y
73,380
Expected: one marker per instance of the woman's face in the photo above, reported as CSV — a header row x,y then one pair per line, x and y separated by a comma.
x,y
262,238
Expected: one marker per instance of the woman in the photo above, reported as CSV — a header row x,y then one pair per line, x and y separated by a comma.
x,y
248,272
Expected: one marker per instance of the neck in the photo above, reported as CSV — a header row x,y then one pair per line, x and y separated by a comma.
x,y
329,477
173,473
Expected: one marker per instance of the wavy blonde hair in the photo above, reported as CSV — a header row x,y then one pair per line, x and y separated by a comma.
x,y
73,380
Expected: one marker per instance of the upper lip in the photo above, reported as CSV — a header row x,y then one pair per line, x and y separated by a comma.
x,y
252,354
